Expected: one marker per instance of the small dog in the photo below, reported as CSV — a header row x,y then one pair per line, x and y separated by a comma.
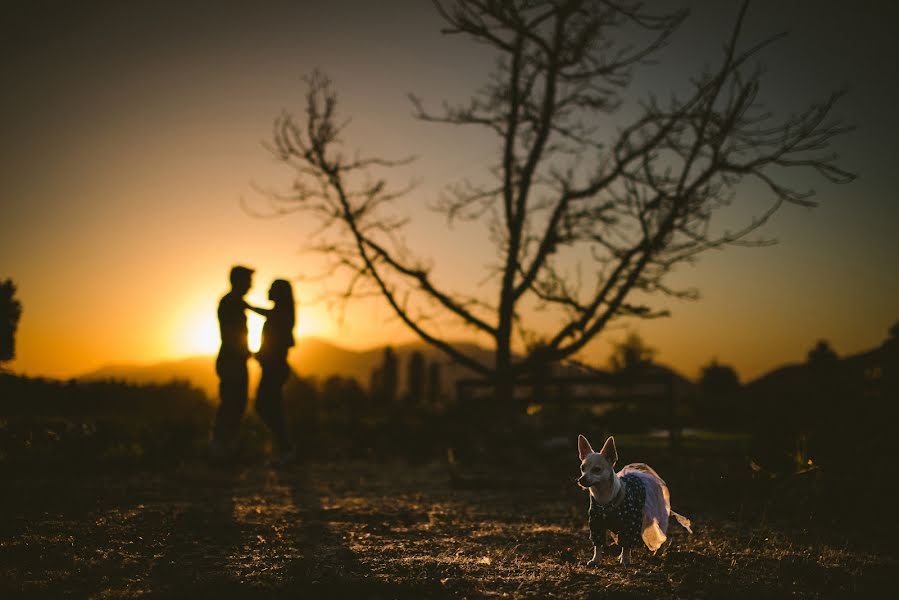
x,y
633,503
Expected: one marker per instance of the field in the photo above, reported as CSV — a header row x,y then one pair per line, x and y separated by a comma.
x,y
503,521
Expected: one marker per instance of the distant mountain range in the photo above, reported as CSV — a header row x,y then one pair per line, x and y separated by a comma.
x,y
315,357
867,365
312,357
318,358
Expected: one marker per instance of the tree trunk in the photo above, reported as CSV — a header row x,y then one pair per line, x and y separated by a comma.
x,y
504,387
503,378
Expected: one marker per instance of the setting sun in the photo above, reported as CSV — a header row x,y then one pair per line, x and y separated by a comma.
x,y
201,331
329,297
201,335
254,331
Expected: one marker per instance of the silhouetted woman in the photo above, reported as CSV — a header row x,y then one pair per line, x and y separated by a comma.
x,y
277,338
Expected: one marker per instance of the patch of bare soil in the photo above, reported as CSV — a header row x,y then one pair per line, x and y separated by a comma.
x,y
385,530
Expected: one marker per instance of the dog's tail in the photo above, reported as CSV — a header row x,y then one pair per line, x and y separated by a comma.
x,y
684,521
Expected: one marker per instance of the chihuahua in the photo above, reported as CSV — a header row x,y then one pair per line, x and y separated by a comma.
x,y
633,503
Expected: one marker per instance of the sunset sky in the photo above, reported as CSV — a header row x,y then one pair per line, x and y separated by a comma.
x,y
131,131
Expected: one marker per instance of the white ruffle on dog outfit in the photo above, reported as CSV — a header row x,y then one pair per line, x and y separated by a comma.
x,y
656,506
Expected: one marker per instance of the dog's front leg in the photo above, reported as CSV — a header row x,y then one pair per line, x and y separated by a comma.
x,y
597,557
625,557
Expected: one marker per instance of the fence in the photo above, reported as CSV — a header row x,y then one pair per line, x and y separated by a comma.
x,y
599,389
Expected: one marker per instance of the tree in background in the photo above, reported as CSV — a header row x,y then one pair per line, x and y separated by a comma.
x,y
586,204
891,347
301,398
374,384
890,368
343,397
893,338
390,375
384,382
717,404
631,354
718,381
10,312
415,378
822,355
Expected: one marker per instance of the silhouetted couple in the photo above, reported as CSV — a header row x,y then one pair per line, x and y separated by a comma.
x,y
231,364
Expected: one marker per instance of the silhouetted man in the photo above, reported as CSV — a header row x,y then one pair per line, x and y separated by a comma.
x,y
231,364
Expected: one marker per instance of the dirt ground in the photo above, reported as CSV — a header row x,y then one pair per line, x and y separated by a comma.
x,y
388,529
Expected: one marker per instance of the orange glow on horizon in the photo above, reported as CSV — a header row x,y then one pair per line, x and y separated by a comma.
x,y
254,331
200,337
120,250
200,333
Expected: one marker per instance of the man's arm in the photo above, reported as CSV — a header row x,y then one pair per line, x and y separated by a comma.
x,y
265,312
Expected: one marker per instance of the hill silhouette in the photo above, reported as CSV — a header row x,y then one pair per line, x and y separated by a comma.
x,y
866,364
312,358
319,359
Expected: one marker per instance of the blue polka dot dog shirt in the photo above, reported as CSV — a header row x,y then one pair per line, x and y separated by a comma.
x,y
624,518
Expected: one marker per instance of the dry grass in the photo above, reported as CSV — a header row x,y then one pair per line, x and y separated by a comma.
x,y
367,529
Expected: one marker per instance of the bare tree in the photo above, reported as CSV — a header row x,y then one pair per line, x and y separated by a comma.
x,y
574,188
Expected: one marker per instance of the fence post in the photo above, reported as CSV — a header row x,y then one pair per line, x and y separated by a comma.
x,y
460,391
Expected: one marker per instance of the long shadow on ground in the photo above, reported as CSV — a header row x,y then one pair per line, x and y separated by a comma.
x,y
327,565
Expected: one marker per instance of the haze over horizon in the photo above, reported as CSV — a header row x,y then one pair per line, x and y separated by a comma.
x,y
133,132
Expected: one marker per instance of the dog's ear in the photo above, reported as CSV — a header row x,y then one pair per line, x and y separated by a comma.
x,y
609,451
583,447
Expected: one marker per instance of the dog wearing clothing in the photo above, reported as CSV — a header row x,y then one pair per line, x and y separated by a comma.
x,y
633,503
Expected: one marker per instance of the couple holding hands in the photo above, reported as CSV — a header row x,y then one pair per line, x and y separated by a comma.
x,y
231,364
